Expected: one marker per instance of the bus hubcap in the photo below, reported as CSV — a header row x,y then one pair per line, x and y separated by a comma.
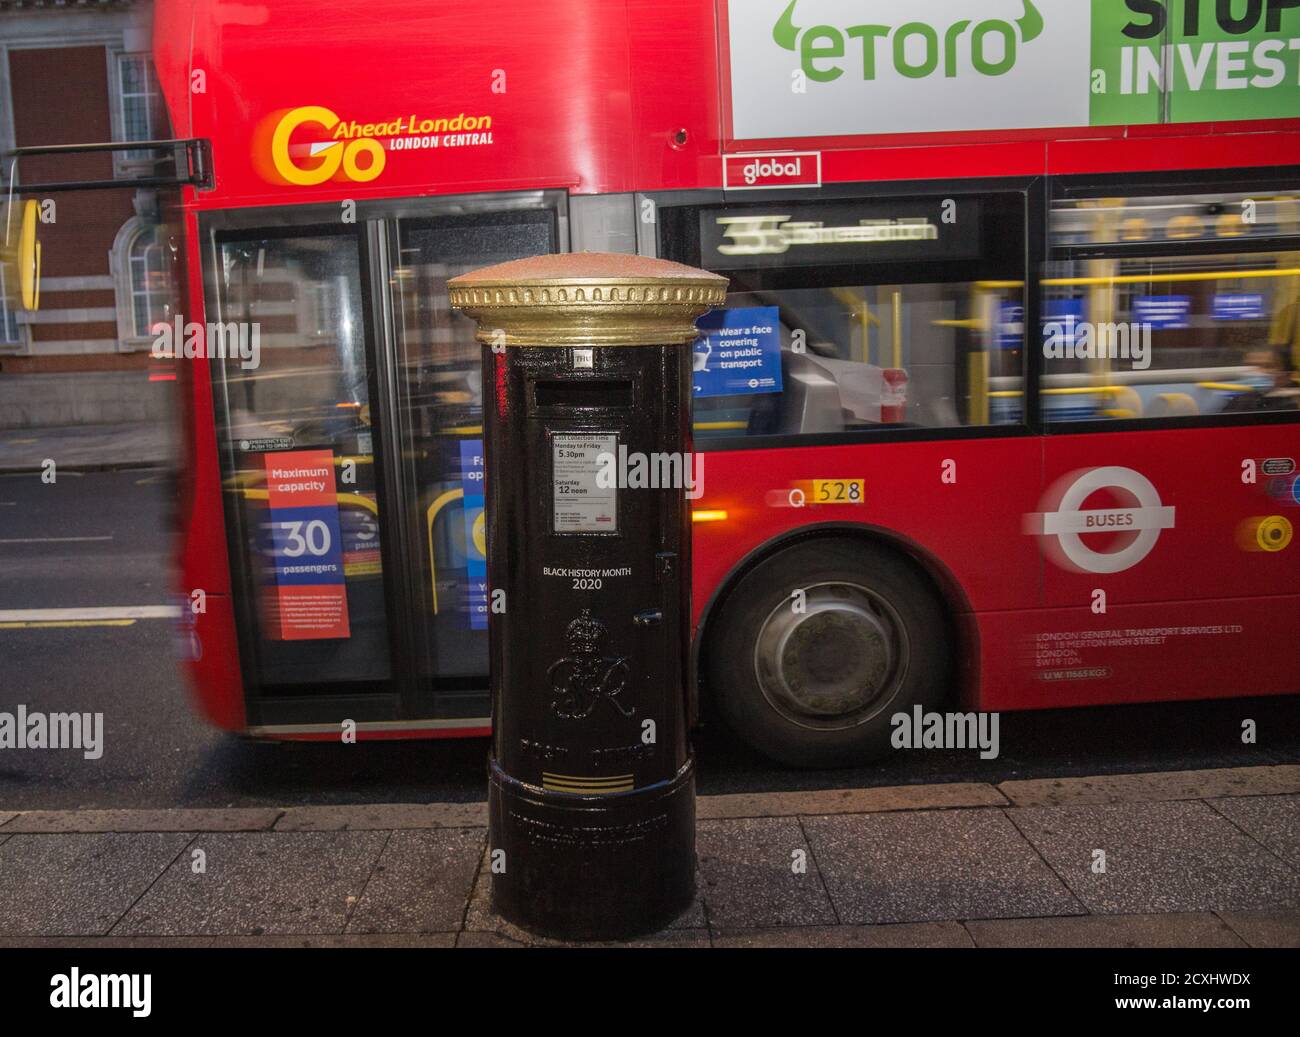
x,y
833,658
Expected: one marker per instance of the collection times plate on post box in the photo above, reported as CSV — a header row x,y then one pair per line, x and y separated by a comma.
x,y
581,504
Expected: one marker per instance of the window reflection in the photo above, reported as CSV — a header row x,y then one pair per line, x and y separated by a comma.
x,y
861,357
441,421
310,557
1152,307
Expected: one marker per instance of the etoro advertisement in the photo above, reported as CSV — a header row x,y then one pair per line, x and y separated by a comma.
x,y
805,68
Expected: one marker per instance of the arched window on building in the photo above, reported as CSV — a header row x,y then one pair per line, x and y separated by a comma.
x,y
143,293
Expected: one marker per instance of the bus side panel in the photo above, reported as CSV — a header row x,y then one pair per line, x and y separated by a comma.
x,y
1179,593
958,503
204,560
215,681
564,94
667,97
1230,146
213,669
174,27
1178,511
1187,650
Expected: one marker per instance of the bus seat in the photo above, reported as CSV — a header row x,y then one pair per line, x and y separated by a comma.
x,y
810,396
1124,403
1172,405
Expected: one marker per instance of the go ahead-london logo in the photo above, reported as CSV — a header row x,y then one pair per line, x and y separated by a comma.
x,y
808,68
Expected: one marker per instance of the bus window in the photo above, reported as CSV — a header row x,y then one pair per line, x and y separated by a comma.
x,y
1172,306
854,316
294,413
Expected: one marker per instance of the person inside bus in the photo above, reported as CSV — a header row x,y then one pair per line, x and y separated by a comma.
x,y
1272,382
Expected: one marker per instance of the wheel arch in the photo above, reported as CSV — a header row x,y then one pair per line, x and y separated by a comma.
x,y
929,566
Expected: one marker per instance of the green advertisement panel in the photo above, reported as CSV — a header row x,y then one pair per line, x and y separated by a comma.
x,y
1202,60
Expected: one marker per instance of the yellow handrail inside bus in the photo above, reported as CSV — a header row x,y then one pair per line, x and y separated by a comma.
x,y
1073,390
1224,387
896,302
1197,275
978,371
342,498
356,498
439,502
862,309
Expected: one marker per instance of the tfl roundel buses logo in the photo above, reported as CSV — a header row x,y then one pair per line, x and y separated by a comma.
x,y
1134,524
310,145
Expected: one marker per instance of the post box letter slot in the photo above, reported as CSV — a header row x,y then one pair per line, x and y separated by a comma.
x,y
584,393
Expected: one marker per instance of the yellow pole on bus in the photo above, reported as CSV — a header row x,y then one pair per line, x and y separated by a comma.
x,y
1284,328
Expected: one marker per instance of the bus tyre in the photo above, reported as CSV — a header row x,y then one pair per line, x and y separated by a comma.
x,y
819,646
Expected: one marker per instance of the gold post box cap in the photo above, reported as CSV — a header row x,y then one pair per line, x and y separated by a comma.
x,y
587,298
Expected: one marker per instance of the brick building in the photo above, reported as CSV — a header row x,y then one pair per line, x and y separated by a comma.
x,y
79,72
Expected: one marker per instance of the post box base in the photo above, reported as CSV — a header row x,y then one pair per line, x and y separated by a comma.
x,y
592,867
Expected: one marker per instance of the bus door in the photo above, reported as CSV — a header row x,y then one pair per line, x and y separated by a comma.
x,y
350,430
1168,389
439,434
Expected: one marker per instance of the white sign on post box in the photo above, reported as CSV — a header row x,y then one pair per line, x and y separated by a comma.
x,y
580,503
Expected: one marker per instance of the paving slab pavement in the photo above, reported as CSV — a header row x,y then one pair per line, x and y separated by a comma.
x,y
1273,821
1146,788
760,873
421,882
934,865
1158,857
180,820
78,884
382,817
957,865
1196,929
258,884
1265,928
908,934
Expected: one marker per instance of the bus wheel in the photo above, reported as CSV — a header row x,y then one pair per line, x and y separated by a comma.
x,y
819,646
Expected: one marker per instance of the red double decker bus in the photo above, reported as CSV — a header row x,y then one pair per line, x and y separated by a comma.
x,y
1001,410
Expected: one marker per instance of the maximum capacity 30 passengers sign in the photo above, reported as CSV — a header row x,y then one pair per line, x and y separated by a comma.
x,y
810,68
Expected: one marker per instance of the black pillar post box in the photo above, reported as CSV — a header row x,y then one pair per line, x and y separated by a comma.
x,y
586,403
